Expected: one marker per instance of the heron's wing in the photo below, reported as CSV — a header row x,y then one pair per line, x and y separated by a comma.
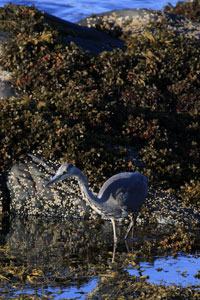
x,y
112,183
125,190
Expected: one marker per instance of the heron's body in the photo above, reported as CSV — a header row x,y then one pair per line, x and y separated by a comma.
x,y
121,195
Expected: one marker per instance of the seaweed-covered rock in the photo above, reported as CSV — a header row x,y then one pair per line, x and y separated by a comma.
x,y
87,39
188,9
93,110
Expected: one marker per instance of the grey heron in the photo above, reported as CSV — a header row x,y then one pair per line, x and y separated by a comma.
x,y
121,195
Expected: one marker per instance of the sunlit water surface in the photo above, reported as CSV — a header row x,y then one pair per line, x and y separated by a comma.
x,y
73,11
55,293
169,270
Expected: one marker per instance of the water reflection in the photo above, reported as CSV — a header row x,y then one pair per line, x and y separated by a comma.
x,y
72,241
44,241
71,258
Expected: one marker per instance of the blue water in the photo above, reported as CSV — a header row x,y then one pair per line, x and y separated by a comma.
x,y
72,10
169,270
55,293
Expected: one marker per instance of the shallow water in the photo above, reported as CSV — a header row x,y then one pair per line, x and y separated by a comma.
x,y
179,271
55,293
72,10
168,270
73,254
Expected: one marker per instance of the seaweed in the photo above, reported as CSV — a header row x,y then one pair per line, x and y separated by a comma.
x,y
94,110
188,9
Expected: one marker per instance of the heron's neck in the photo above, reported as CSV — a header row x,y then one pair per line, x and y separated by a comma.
x,y
83,184
91,199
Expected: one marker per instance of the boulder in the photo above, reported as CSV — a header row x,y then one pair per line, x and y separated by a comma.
x,y
26,182
87,38
136,21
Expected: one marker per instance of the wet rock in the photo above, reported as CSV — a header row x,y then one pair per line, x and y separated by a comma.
x,y
137,20
6,89
26,182
87,38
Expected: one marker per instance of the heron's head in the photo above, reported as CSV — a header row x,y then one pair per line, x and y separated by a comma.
x,y
63,172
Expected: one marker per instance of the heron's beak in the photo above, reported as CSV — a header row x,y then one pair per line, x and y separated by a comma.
x,y
54,179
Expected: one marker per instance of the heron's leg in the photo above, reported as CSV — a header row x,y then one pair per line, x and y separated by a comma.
x,y
114,251
114,231
131,225
129,228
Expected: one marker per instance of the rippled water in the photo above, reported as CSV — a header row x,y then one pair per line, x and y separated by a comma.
x,y
73,11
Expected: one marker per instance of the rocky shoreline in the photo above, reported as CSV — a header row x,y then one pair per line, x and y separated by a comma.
x,y
25,180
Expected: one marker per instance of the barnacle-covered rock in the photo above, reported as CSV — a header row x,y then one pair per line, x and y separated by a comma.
x,y
162,207
135,21
26,182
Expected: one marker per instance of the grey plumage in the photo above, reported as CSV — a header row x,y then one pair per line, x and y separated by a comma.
x,y
121,195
